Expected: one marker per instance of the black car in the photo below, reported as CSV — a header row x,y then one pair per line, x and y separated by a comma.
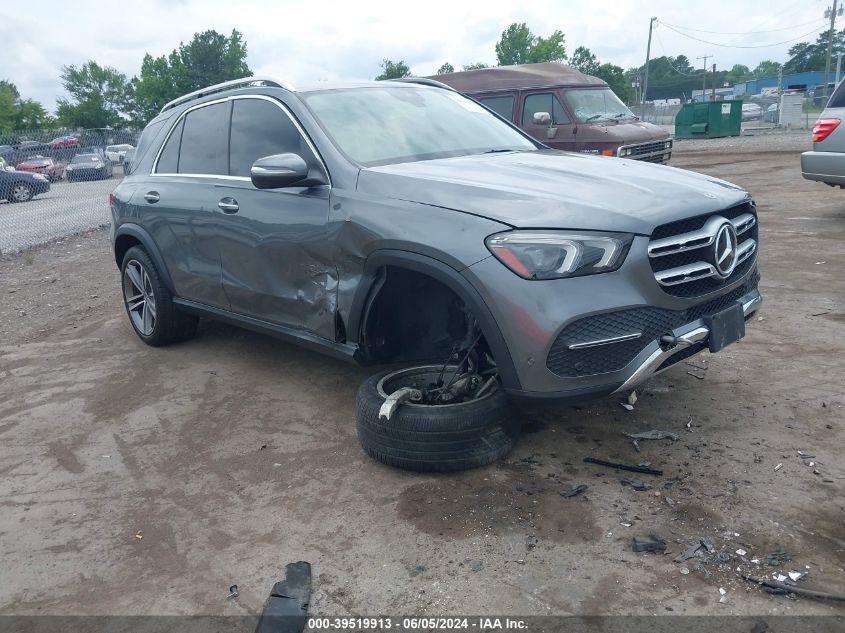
x,y
92,166
20,186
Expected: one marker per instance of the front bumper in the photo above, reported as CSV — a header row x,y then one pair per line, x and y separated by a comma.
x,y
591,336
828,167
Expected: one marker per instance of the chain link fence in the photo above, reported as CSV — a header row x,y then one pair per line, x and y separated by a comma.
x,y
55,183
759,112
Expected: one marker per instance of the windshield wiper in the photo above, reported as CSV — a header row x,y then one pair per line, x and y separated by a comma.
x,y
592,118
497,150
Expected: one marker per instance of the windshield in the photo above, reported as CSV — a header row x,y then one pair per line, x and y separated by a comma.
x,y
385,125
597,105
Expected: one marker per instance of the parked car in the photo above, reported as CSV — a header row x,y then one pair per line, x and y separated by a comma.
x,y
564,109
54,170
6,152
751,112
93,166
127,160
32,147
21,186
64,142
401,223
116,153
826,162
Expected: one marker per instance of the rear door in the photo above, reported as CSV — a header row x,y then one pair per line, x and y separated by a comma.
x,y
178,202
503,105
560,134
273,242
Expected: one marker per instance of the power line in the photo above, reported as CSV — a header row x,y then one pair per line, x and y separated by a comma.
x,y
698,39
666,55
785,28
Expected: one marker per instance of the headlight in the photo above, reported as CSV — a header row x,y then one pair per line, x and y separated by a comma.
x,y
559,254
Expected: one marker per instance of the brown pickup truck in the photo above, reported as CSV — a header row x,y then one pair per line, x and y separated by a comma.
x,y
564,109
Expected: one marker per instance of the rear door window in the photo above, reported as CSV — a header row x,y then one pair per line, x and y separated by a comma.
x,y
503,106
205,141
261,128
543,102
837,99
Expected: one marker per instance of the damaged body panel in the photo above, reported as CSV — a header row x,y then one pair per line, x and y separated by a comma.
x,y
392,239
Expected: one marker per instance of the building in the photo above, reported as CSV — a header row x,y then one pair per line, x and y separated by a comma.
x,y
806,82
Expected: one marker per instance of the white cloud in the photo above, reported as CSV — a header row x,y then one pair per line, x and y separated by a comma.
x,y
307,41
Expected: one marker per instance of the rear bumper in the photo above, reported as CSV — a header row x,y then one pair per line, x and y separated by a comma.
x,y
828,167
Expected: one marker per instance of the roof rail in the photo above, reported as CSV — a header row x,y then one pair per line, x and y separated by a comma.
x,y
226,85
425,82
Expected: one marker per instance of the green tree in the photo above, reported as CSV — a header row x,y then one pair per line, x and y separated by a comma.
x,y
209,58
475,66
445,69
30,115
7,107
809,56
10,87
584,60
518,45
98,96
615,78
766,68
393,70
738,73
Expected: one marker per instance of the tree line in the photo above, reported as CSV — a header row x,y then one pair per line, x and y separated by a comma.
x,y
101,96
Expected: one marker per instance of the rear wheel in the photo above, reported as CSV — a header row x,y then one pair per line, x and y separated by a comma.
x,y
149,303
432,431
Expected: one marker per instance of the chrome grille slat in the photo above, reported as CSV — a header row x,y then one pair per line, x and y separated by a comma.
x,y
683,274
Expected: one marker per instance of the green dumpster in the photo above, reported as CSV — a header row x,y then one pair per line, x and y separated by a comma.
x,y
710,119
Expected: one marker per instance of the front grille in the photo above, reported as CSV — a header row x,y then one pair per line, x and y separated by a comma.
x,y
653,152
650,322
682,253
646,148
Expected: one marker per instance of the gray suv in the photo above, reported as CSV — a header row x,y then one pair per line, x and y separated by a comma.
x,y
826,162
402,224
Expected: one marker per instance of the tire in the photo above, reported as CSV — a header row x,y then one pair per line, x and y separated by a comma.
x,y
442,438
149,303
21,192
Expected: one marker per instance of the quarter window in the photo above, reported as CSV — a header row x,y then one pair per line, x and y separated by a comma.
x,y
503,106
205,138
168,161
543,102
260,128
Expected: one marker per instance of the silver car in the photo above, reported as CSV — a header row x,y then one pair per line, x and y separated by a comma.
x,y
826,162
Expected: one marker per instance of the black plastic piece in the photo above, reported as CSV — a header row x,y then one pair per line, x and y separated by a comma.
x,y
726,327
286,610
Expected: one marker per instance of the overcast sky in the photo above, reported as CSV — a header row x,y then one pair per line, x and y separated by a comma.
x,y
307,41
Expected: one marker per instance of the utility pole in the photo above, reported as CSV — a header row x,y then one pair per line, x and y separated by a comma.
x,y
838,67
713,93
647,58
704,76
831,13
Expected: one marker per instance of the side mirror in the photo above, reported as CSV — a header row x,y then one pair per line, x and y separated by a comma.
x,y
283,170
542,118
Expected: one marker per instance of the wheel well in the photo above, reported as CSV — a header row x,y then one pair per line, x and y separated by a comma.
x,y
412,317
122,244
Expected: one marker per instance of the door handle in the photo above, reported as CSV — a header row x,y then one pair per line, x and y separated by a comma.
x,y
152,197
228,205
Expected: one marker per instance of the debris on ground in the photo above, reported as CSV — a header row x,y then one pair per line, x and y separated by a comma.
x,y
782,587
632,398
574,491
286,610
741,552
795,575
651,543
724,597
778,557
636,484
138,535
684,571
626,406
633,469
233,592
778,467
653,435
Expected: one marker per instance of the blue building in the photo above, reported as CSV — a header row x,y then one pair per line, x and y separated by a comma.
x,y
798,81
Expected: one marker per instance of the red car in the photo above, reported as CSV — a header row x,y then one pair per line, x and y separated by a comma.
x,y
41,165
64,142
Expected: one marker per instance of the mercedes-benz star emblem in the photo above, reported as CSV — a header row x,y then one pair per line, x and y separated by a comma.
x,y
724,249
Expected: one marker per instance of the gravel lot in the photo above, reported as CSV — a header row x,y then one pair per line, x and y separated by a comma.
x,y
146,481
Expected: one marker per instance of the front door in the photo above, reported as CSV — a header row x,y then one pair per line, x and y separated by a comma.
x,y
273,243
560,133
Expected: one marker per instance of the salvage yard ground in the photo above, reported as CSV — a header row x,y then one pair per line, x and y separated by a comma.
x,y
147,481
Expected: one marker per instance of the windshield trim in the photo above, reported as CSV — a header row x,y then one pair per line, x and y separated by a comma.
x,y
303,99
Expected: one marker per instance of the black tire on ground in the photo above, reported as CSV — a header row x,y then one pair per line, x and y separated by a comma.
x,y
441,438
170,325
21,192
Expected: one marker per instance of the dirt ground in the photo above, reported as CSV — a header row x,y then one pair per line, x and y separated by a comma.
x,y
147,481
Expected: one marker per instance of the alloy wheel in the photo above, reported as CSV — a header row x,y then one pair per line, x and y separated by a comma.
x,y
21,193
139,297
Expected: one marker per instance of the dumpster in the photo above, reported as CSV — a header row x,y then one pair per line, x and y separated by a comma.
x,y
710,119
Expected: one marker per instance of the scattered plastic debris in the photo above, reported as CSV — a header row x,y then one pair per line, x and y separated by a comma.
x,y
777,586
651,543
636,484
632,398
288,601
626,406
233,592
684,570
795,575
778,557
724,597
138,535
574,491
779,577
653,435
778,467
633,469
741,552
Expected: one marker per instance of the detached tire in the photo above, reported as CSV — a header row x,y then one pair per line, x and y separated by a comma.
x,y
435,438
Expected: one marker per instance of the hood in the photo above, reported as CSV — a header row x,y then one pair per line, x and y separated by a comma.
x,y
551,189
626,131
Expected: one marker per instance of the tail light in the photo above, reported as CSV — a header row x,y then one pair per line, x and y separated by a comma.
x,y
111,200
823,128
